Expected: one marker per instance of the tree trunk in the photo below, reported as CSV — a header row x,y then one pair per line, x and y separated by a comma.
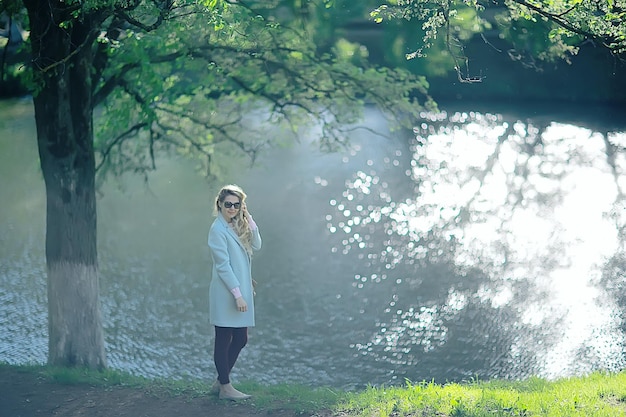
x,y
62,60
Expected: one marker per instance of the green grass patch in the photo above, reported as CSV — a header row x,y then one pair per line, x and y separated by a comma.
x,y
299,398
595,395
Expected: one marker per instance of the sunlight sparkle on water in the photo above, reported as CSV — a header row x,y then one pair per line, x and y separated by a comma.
x,y
543,194
576,226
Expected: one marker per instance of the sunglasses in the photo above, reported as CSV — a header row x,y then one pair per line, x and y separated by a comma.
x,y
228,205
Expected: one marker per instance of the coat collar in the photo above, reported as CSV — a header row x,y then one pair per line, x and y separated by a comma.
x,y
229,229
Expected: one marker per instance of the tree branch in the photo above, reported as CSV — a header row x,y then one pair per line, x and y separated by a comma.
x,y
164,8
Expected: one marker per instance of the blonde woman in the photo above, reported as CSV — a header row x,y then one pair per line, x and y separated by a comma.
x,y
232,238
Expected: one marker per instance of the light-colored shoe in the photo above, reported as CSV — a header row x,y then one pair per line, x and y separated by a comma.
x,y
228,392
215,388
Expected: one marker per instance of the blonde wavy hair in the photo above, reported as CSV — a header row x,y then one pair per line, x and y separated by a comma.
x,y
240,221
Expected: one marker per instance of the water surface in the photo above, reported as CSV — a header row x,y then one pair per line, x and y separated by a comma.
x,y
477,246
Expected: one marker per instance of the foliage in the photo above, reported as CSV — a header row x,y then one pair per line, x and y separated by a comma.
x,y
537,29
203,78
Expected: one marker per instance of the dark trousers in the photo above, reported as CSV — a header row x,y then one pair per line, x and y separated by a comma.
x,y
228,343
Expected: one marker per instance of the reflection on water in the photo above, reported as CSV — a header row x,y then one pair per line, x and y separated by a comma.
x,y
478,246
520,217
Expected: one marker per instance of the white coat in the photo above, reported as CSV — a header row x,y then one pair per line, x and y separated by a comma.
x,y
231,268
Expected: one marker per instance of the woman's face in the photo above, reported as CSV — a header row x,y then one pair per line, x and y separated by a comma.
x,y
230,207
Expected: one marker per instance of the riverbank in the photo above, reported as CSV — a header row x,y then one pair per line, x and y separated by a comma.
x,y
41,391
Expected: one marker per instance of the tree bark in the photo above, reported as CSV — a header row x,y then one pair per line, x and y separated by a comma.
x,y
62,64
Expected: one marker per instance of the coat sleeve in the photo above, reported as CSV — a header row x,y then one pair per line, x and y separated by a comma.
x,y
256,239
221,259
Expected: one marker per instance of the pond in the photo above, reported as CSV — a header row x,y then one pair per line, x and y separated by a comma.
x,y
484,244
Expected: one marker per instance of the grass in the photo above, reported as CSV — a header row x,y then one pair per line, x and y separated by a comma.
x,y
595,395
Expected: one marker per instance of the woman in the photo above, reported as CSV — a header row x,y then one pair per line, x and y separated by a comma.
x,y
232,238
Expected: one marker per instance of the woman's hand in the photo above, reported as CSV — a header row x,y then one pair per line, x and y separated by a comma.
x,y
251,223
242,306
244,210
